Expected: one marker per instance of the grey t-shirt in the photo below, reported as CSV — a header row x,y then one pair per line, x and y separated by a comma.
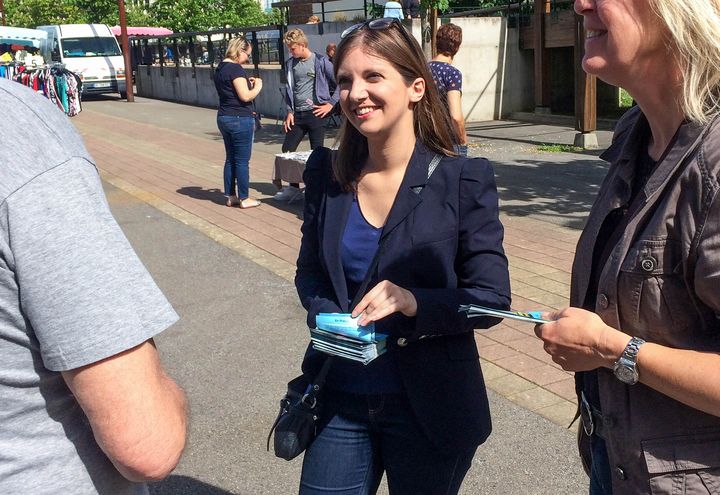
x,y
304,83
72,292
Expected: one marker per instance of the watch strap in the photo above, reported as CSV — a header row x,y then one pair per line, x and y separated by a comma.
x,y
632,349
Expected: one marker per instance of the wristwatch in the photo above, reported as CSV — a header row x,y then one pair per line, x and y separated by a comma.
x,y
625,368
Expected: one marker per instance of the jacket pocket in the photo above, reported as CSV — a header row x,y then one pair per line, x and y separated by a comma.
x,y
685,465
421,238
657,297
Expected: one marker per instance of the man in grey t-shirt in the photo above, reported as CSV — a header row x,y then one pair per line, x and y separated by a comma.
x,y
85,406
308,99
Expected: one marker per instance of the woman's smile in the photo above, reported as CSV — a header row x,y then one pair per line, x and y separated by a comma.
x,y
365,112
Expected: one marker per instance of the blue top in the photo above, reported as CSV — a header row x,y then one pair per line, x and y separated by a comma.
x,y
230,103
393,9
359,244
446,77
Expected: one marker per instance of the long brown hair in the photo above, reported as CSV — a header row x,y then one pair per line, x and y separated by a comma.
x,y
430,117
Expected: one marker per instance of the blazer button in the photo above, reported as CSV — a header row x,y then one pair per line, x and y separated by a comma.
x,y
648,263
402,342
603,301
620,473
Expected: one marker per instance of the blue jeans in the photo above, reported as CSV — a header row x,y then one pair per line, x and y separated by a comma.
x,y
237,133
600,475
366,435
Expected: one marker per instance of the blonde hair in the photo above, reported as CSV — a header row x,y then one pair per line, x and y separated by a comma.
x,y
236,46
694,27
295,36
430,118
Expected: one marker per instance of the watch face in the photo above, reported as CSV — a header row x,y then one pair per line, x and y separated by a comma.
x,y
626,374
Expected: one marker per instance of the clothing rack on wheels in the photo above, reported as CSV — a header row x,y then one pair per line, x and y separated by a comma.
x,y
57,83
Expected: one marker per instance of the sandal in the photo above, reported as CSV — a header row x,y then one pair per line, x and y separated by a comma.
x,y
232,201
248,203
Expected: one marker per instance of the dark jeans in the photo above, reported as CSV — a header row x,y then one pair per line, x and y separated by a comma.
x,y
600,475
305,123
367,435
237,133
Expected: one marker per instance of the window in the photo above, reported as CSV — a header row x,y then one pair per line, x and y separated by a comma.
x,y
90,47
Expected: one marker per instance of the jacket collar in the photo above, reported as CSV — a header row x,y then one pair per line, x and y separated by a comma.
x,y
625,149
338,207
408,195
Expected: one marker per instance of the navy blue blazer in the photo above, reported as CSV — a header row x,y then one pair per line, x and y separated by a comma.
x,y
443,242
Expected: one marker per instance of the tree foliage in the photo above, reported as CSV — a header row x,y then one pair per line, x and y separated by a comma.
x,y
178,15
202,15
32,13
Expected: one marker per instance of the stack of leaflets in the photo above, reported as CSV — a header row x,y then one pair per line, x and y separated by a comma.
x,y
475,310
339,334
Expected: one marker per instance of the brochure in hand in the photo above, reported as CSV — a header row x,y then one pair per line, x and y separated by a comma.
x,y
340,335
475,310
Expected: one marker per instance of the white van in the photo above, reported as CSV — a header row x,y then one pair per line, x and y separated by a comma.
x,y
92,52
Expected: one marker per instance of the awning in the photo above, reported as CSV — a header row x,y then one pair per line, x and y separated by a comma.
x,y
143,31
22,36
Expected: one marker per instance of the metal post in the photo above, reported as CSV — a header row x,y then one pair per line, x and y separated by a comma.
x,y
211,54
193,55
176,57
147,56
129,92
256,53
162,58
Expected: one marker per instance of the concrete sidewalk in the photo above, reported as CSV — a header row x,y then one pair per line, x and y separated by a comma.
x,y
171,156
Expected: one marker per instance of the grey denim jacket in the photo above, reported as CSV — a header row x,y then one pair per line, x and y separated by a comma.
x,y
661,283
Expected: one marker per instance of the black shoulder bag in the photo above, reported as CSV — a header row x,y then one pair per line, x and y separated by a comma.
x,y
295,427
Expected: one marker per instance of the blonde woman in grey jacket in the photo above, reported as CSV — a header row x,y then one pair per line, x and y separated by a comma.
x,y
643,331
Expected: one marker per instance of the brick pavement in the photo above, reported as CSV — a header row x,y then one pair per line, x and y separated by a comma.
x,y
180,173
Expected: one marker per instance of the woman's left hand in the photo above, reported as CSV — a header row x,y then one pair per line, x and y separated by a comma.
x,y
385,299
579,340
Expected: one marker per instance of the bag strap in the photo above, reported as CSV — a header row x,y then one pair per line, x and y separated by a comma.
x,y
319,381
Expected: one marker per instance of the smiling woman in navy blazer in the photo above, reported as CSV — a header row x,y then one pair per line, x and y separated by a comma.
x,y
418,412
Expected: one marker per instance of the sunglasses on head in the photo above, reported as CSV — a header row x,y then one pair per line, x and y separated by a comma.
x,y
378,24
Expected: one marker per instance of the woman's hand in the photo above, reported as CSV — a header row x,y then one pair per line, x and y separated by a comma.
x,y
578,340
255,83
385,299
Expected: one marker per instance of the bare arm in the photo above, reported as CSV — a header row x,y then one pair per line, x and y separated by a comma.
x,y
137,413
454,98
580,341
243,91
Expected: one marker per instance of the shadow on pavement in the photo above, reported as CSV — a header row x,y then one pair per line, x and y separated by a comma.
x,y
184,485
267,188
217,196
196,192
563,191
273,134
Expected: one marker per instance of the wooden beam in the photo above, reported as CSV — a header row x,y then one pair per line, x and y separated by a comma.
x,y
542,62
585,86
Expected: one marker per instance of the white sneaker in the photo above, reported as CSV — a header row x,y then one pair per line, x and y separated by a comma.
x,y
288,193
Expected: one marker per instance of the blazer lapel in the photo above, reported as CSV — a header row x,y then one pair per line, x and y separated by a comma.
x,y
337,208
408,196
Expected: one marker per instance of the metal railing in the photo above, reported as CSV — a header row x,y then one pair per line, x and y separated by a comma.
x,y
205,48
518,12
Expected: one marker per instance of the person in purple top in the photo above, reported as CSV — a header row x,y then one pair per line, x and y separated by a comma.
x,y
449,79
